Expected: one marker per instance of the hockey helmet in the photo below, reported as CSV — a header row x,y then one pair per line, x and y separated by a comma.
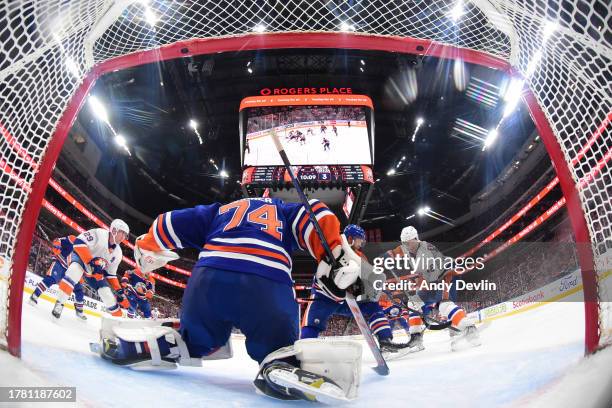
x,y
119,225
354,231
409,233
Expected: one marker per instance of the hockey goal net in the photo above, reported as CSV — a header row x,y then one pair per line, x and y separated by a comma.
x,y
53,51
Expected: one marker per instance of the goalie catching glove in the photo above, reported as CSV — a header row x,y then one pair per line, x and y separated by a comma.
x,y
148,261
345,274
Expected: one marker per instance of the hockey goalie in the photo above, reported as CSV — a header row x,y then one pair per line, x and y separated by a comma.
x,y
243,279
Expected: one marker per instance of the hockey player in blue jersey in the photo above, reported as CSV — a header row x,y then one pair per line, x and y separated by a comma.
x,y
61,248
139,288
397,315
324,304
243,279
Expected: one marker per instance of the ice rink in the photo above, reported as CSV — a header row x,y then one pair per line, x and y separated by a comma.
x,y
521,361
351,146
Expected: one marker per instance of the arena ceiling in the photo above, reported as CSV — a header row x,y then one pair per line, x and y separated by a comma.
x,y
445,166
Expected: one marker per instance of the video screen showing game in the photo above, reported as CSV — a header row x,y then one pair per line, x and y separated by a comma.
x,y
311,135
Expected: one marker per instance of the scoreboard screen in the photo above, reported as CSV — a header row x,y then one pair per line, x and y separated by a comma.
x,y
327,131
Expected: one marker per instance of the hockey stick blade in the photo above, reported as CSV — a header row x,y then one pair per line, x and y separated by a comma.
x,y
381,367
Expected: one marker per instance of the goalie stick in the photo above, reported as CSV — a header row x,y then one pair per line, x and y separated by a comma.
x,y
381,367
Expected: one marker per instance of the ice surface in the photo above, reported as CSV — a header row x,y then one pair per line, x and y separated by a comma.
x,y
522,360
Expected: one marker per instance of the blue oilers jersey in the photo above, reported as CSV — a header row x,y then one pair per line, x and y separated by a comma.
x,y
62,248
394,312
254,235
138,285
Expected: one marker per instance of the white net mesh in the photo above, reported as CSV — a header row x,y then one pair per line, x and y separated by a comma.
x,y
48,47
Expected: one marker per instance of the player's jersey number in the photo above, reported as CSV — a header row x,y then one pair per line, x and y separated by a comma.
x,y
265,216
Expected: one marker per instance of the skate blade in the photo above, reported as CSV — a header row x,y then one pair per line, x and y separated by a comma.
x,y
464,344
389,356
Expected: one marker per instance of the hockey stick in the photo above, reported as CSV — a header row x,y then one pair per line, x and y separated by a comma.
x,y
437,325
381,367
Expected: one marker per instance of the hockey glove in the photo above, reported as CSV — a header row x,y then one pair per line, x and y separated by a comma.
x,y
122,299
98,267
148,261
334,280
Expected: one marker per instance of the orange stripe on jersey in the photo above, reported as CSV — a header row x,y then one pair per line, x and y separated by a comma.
x,y
83,252
114,282
161,233
65,287
305,316
458,317
306,218
246,250
117,313
331,230
147,242
415,321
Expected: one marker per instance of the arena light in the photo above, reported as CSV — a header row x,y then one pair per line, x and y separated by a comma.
x,y
419,122
98,109
249,70
259,28
457,11
223,174
194,125
344,26
72,67
549,29
423,211
149,14
459,75
490,139
391,172
122,142
362,62
512,96
533,64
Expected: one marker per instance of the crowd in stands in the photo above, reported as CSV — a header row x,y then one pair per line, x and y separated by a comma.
x,y
525,267
267,117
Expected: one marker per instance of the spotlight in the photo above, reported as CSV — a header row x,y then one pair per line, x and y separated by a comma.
x,y
120,140
490,138
98,108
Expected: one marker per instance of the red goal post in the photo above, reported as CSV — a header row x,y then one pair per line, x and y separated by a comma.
x,y
53,53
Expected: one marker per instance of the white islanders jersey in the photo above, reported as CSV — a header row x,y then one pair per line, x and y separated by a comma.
x,y
97,242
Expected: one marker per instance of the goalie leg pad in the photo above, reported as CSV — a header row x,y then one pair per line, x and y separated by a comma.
x,y
330,371
147,344
337,359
